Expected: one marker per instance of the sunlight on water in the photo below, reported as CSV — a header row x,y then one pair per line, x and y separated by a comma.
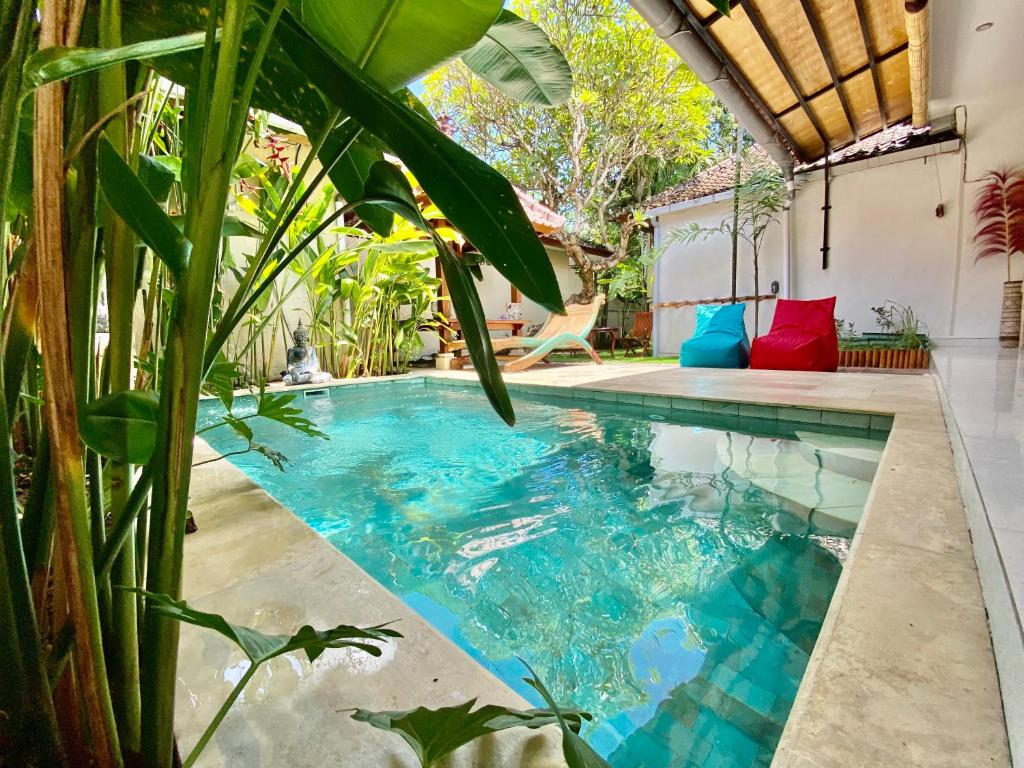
x,y
671,578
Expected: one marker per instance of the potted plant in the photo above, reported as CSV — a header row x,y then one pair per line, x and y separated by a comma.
x,y
901,343
999,209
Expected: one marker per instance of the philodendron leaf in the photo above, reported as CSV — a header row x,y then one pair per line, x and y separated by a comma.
x,y
723,6
434,734
261,647
50,65
577,753
277,407
121,426
221,379
133,202
517,58
473,324
477,199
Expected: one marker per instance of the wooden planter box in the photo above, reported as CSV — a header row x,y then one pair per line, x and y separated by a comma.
x,y
884,358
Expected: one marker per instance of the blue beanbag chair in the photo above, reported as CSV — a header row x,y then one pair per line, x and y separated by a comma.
x,y
719,340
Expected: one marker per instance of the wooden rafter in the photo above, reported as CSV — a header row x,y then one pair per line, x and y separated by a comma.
x,y
748,90
847,78
869,46
773,50
826,54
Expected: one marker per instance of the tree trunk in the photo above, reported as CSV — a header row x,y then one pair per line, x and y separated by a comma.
x,y
737,163
757,295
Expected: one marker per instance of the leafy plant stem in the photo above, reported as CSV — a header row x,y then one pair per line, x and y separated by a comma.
x,y
221,713
10,110
119,247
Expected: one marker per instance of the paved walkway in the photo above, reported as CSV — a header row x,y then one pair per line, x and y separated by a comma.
x,y
984,386
902,673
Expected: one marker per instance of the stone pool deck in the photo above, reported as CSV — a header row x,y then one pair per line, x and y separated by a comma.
x,y
902,674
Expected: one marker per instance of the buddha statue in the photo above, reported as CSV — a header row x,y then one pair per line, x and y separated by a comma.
x,y
303,366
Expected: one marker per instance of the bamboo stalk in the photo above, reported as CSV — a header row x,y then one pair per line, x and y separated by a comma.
x,y
60,408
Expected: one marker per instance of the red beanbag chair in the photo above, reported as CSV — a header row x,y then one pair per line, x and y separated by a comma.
x,y
803,338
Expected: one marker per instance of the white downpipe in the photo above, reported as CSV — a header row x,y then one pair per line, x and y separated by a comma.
x,y
656,291
787,242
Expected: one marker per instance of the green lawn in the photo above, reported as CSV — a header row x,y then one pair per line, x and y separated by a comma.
x,y
620,357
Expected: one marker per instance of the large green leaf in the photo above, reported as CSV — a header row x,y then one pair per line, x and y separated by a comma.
x,y
157,176
577,753
478,200
518,59
473,324
349,173
279,408
434,734
121,426
261,647
132,201
397,41
53,64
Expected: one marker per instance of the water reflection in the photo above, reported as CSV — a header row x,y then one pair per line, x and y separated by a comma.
x,y
668,577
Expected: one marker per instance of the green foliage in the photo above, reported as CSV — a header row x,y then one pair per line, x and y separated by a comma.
x,y
163,172
578,754
478,201
55,64
901,321
135,204
260,647
518,59
121,426
434,734
279,408
634,109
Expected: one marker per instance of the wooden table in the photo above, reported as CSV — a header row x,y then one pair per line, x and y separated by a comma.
x,y
515,326
613,334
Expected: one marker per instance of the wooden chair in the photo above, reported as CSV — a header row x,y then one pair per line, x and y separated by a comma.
x,y
640,336
558,332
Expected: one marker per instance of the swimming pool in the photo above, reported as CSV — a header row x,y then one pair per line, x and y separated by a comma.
x,y
664,569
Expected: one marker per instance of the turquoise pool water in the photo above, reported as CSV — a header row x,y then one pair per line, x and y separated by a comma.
x,y
666,572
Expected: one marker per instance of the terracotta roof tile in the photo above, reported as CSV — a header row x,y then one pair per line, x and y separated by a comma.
x,y
717,178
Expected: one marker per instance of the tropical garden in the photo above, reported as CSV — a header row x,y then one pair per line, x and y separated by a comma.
x,y
144,192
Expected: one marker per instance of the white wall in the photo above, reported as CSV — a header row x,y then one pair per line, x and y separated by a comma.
x,y
702,270
886,242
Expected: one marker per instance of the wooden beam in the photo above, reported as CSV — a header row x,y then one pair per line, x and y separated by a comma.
x,y
826,54
762,31
847,78
869,46
738,78
917,38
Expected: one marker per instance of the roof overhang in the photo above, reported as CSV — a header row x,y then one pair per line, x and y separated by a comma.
x,y
807,77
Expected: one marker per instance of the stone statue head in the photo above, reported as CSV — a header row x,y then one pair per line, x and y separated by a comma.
x,y
300,335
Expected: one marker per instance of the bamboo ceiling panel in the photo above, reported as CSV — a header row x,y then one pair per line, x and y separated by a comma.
x,y
739,40
799,126
860,92
894,72
786,52
887,23
841,29
790,31
829,111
